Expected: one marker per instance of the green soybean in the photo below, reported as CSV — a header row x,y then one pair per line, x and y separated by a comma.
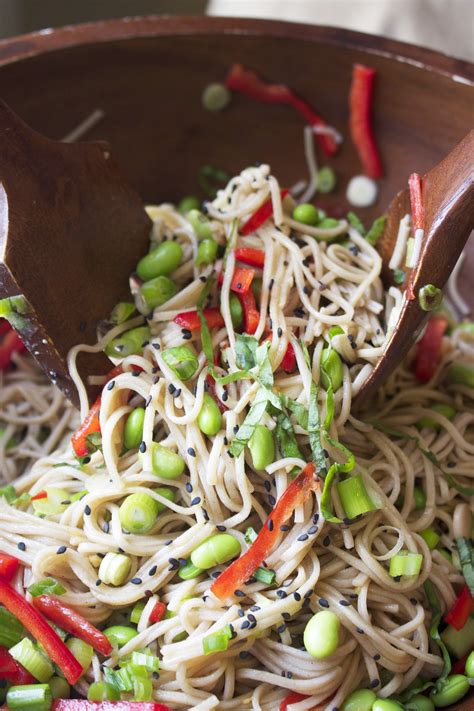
x,y
321,634
188,203
120,635
329,223
161,261
419,703
326,180
157,291
209,419
215,550
138,512
128,343
443,409
165,462
452,690
215,97
419,498
236,311
200,224
386,705
102,691
166,494
207,251
189,571
461,374
307,214
359,700
331,369
133,430
470,666
262,447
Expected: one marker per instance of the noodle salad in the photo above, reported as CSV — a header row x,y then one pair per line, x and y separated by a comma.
x,y
224,531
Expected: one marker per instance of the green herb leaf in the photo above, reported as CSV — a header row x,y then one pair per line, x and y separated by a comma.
x,y
466,558
47,586
211,179
398,276
376,230
356,223
286,439
434,629
247,428
206,339
314,432
334,469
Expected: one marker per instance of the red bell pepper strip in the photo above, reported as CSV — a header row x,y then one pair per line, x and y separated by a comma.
x,y
4,326
244,567
428,350
71,621
289,359
459,614
40,495
8,566
460,665
11,344
12,671
82,705
260,216
360,101
190,319
43,633
251,256
251,314
211,387
292,698
416,201
158,611
249,83
241,280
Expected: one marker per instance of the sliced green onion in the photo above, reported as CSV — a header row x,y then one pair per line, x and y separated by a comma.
x,y
215,97
78,495
53,504
142,689
34,697
461,374
356,223
430,297
354,497
137,612
218,641
398,276
47,586
34,661
102,691
182,361
82,651
326,180
60,689
459,642
120,679
9,493
466,327
410,246
419,498
120,635
405,563
265,576
189,571
430,537
250,535
11,630
376,230
145,658
114,568
122,311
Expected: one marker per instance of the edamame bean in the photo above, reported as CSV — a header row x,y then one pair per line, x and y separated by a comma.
x,y
326,180
166,494
138,512
122,311
189,571
188,203
133,430
119,635
321,634
209,419
165,462
462,521
207,251
200,224
419,703
331,369
236,311
307,214
161,261
262,447
156,291
102,691
470,666
443,409
359,700
419,498
128,343
452,690
215,550
386,705
461,374
215,97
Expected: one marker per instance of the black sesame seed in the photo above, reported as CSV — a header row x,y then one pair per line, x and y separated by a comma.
x,y
155,675
286,615
326,541
187,335
323,602
359,630
155,380
226,441
284,527
230,454
353,346
397,578
267,485
289,675
171,388
86,460
240,612
299,313
177,393
203,278
106,527
87,510
220,527
225,396
316,518
308,594
347,521
168,543
312,530
98,582
374,683
156,346
61,549
297,596
376,657
303,537
270,523
136,581
270,285
195,501
243,655
152,570
281,594
344,603
110,385
251,617
254,608
271,500
279,332
205,514
182,561
191,451
148,593
281,628
21,546
245,624
136,373
307,602
239,285
239,593
451,465
189,487
142,447
120,550
250,581
305,290
174,563
235,429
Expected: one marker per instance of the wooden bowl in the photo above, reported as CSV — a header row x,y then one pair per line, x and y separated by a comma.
x,y
148,75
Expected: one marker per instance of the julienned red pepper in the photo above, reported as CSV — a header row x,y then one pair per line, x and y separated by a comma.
x,y
211,387
10,344
260,216
244,567
71,621
190,319
12,671
292,698
43,633
40,495
360,103
8,566
289,359
82,705
158,611
459,665
91,423
251,256
251,314
428,350
241,280
459,614
249,83
416,201
4,326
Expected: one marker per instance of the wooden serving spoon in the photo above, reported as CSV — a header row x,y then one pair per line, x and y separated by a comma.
x,y
71,231
448,200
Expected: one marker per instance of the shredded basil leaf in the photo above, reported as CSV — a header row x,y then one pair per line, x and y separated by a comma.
x,y
398,276
286,439
314,432
466,558
434,629
211,179
356,223
376,230
245,351
334,469
298,410
247,428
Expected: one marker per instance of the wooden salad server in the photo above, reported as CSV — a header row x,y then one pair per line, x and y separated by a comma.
x,y
71,231
448,200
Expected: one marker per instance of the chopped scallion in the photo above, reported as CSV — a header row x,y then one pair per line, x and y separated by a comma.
x,y
34,697
34,661
265,576
354,497
218,641
47,586
430,297
405,563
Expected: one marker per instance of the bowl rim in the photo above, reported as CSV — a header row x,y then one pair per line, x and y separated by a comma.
x,y
21,47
